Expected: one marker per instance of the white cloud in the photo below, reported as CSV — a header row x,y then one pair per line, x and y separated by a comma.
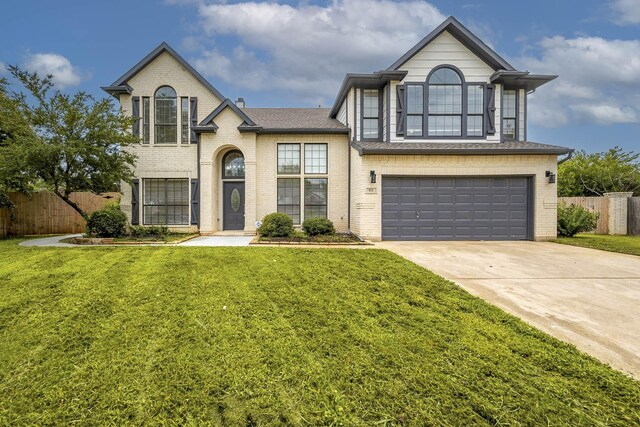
x,y
308,48
64,74
599,81
627,11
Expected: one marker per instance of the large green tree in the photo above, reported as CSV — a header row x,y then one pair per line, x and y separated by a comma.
x,y
598,173
71,142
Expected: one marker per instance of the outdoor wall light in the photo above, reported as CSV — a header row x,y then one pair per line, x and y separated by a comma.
x,y
372,176
551,176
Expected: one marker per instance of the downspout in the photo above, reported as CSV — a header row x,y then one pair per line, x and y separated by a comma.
x,y
346,102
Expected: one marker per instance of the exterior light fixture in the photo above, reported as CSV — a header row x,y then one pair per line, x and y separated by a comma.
x,y
551,176
372,177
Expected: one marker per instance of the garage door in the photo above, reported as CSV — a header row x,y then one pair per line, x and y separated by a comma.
x,y
455,208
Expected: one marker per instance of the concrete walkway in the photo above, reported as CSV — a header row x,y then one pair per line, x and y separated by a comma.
x,y
54,241
587,297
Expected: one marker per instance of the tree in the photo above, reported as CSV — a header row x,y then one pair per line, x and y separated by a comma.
x,y
598,173
14,130
78,144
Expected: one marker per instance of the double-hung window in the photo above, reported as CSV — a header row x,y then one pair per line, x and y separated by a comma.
x,y
184,120
415,110
294,198
475,110
165,201
370,114
146,114
166,109
445,103
509,113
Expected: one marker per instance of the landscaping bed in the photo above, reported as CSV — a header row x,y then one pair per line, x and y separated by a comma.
x,y
129,240
270,336
303,239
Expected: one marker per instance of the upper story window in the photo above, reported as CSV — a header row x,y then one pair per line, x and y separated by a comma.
x,y
370,114
184,120
166,109
444,106
445,103
509,113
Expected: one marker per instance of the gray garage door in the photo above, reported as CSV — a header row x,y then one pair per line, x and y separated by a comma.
x,y
455,208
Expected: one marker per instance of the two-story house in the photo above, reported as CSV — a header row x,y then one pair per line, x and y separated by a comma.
x,y
432,148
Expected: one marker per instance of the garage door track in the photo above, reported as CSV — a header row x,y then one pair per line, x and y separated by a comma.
x,y
587,297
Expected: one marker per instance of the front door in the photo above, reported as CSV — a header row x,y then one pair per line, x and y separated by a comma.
x,y
233,206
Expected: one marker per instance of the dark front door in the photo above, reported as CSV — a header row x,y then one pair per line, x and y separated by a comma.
x,y
233,206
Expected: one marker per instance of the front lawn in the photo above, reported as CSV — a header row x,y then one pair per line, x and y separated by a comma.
x,y
274,336
623,244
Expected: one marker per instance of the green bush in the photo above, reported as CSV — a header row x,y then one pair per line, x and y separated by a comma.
x,y
318,226
276,225
574,219
153,231
107,222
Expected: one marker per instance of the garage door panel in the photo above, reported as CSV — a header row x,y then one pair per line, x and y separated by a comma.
x,y
451,208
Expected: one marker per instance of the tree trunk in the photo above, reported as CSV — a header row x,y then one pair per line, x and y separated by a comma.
x,y
73,204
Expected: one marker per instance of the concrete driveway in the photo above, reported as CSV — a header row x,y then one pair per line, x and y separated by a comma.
x,y
587,297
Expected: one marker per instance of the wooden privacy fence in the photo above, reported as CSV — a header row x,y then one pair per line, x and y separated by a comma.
x,y
46,213
599,205
633,215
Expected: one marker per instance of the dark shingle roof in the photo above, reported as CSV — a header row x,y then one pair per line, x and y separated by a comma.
x,y
507,147
290,119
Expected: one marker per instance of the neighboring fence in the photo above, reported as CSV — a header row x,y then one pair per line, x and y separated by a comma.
x,y
633,218
599,205
605,207
46,213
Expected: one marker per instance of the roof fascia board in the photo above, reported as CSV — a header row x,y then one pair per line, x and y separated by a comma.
x,y
227,104
378,79
461,151
164,47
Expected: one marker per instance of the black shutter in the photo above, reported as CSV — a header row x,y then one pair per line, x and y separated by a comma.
x,y
194,119
399,110
135,204
135,112
490,109
195,202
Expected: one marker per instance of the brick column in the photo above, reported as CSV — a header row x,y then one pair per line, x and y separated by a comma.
x,y
618,212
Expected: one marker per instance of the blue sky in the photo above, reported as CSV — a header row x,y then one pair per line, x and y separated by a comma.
x,y
285,53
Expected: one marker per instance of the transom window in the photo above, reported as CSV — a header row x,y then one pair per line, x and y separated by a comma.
x,y
233,165
165,201
370,114
166,109
509,114
445,103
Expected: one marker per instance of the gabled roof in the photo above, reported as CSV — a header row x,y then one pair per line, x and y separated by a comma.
x,y
120,85
208,124
464,36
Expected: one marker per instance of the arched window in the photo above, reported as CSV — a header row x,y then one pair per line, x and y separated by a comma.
x,y
233,165
166,106
445,103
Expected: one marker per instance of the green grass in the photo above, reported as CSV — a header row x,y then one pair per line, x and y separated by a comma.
x,y
622,244
140,335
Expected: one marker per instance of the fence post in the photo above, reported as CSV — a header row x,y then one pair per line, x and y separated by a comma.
x,y
618,212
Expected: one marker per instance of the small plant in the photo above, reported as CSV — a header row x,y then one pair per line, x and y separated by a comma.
x,y
107,222
574,219
153,231
276,225
318,226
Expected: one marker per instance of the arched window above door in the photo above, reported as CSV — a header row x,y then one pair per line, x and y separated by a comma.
x,y
233,165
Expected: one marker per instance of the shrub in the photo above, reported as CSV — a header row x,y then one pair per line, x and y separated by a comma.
x,y
318,226
276,225
574,219
107,222
153,231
